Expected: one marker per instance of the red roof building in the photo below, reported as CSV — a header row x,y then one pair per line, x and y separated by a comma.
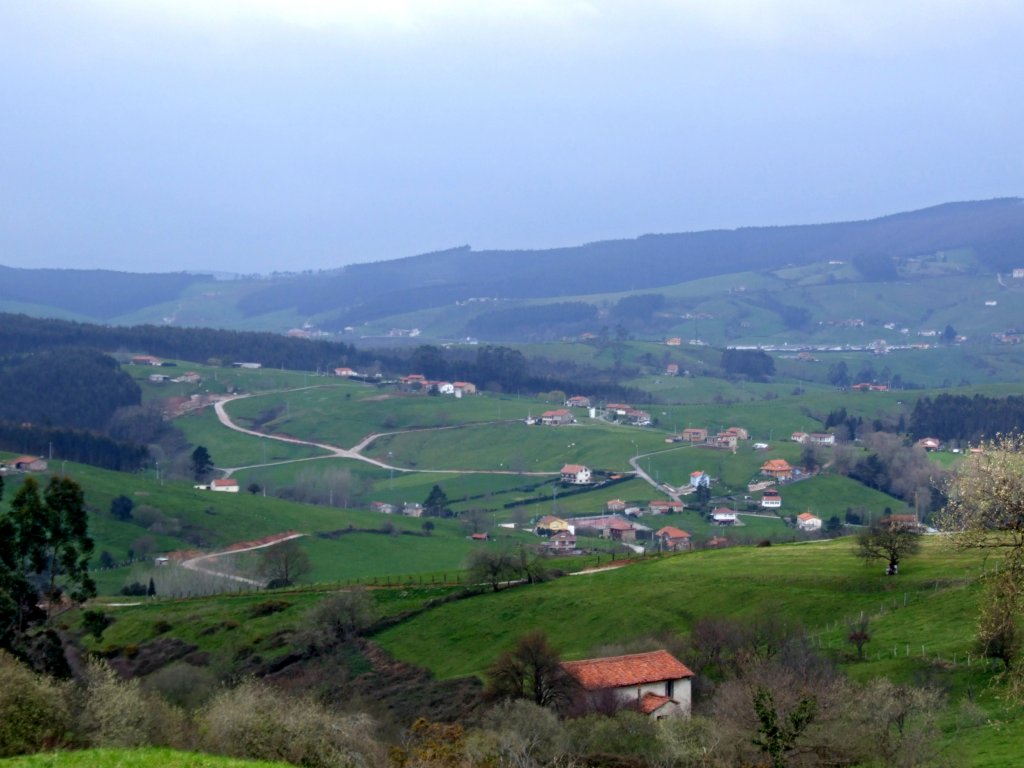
x,y
656,683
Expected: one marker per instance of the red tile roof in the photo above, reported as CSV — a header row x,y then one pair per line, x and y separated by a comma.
x,y
652,702
619,671
673,533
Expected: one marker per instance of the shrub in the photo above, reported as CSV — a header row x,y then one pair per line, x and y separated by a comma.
x,y
257,721
118,713
34,713
268,607
94,622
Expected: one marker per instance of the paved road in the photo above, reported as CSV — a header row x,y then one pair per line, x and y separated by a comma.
x,y
336,452
193,564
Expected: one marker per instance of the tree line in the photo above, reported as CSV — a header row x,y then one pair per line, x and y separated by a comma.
x,y
967,418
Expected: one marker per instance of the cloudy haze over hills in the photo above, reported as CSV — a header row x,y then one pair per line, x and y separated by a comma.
x,y
260,135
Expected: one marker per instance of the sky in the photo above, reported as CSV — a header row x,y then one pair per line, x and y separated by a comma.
x,y
252,136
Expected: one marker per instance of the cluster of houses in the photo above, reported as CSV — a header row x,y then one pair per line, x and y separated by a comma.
x,y
189,377
409,509
727,439
559,416
416,382
813,438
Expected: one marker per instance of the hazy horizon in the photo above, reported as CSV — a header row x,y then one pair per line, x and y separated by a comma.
x,y
252,136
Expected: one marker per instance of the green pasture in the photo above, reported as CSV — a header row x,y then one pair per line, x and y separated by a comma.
x,y
815,585
230,448
219,380
132,758
519,447
826,495
344,416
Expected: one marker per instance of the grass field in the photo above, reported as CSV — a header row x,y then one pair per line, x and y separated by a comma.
x,y
922,623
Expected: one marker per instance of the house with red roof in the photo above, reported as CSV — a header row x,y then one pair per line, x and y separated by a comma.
x,y
654,683
695,434
557,417
577,401
575,474
671,539
771,500
806,521
778,469
664,506
224,485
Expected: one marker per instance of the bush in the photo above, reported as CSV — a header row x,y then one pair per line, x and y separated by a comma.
x,y
268,607
34,711
259,722
94,622
118,713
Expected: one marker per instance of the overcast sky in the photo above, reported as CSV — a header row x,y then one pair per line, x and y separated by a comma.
x,y
262,135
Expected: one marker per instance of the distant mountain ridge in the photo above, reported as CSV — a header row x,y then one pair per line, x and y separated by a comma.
x,y
993,230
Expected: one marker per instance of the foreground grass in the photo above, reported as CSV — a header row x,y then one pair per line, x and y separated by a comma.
x,y
132,758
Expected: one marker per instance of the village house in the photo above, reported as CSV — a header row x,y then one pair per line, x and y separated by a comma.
x,y
664,506
930,443
799,437
821,438
575,474
638,418
675,341
771,500
615,505
724,516
557,417
699,478
672,369
344,372
695,435
672,539
159,378
189,377
618,409
577,401
224,485
612,527
414,382
905,522
549,525
740,432
655,683
382,507
29,463
146,360
779,469
716,542
724,440
464,388
809,522
564,541
412,509
443,387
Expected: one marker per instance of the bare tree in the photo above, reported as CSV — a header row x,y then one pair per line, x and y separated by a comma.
x,y
530,670
490,567
283,563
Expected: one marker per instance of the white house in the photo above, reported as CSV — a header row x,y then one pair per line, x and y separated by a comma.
x,y
655,683
771,500
575,474
805,521
699,478
723,516
224,485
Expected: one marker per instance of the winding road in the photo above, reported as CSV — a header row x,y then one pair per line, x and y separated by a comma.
x,y
336,452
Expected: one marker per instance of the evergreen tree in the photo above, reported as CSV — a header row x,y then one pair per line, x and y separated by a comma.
x,y
202,464
436,504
